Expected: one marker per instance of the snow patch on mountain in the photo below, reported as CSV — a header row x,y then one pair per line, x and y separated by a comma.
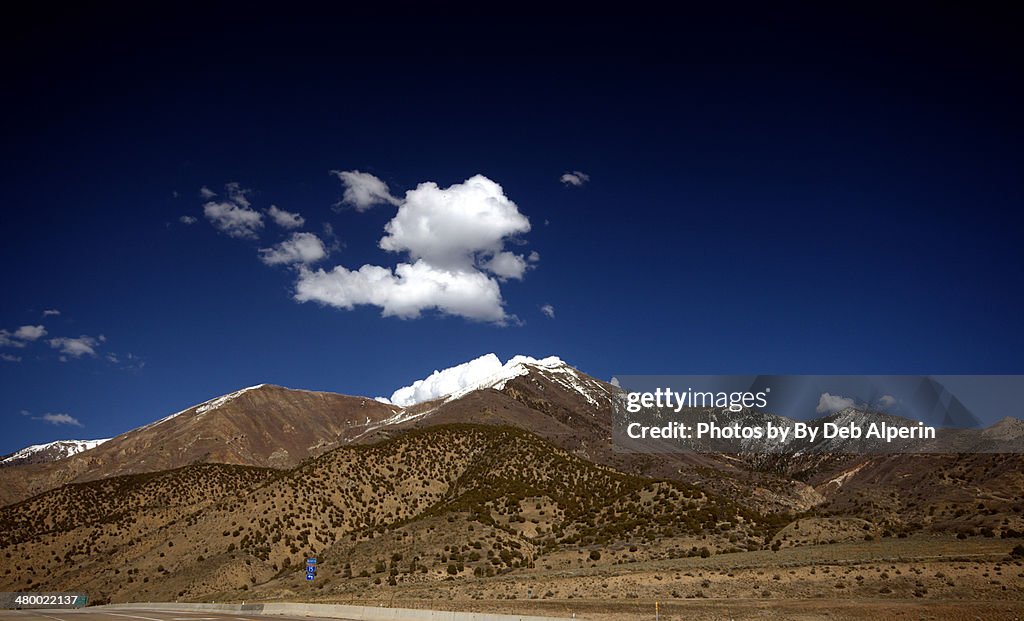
x,y
60,449
205,406
569,379
213,404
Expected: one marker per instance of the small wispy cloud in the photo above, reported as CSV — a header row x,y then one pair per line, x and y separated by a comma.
x,y
363,190
548,310
234,217
30,333
127,362
10,358
7,340
887,401
206,193
237,194
575,178
829,403
304,248
285,219
51,312
22,336
60,419
188,220
76,347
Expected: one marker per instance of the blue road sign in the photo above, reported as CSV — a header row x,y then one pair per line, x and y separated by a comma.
x,y
311,561
309,577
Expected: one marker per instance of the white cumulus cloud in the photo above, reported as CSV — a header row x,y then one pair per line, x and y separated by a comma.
x,y
406,291
206,193
829,403
445,382
574,178
363,190
304,248
548,310
454,227
285,219
454,241
76,347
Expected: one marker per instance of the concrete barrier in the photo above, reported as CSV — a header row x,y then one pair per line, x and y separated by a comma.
x,y
337,611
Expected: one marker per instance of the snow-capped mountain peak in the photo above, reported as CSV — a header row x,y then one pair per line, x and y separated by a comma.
x,y
518,366
50,451
424,397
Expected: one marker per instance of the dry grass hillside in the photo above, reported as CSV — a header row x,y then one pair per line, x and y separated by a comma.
x,y
963,495
452,501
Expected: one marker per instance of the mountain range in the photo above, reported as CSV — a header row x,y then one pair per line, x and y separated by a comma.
x,y
511,471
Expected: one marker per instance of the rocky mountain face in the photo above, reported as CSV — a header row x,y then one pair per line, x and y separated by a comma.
x,y
264,425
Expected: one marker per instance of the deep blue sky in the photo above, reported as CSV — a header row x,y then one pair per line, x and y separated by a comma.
x,y
769,193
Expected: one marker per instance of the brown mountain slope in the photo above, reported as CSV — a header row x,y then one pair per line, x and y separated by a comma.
x,y
574,411
970,494
507,498
266,426
272,426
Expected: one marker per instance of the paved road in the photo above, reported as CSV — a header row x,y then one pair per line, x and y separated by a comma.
x,y
85,614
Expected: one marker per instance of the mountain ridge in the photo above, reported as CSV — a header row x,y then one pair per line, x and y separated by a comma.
x,y
49,451
266,425
263,425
